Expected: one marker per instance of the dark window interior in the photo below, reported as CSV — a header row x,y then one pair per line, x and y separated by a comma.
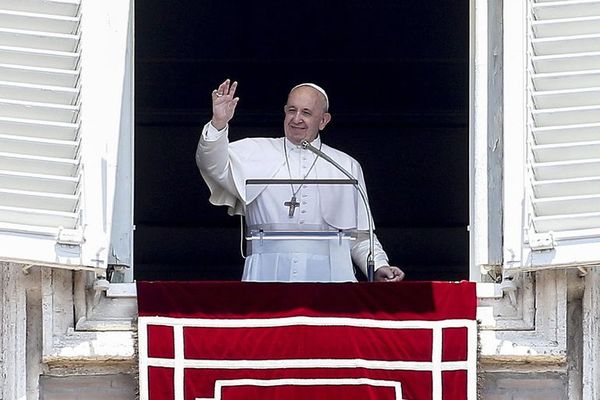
x,y
397,76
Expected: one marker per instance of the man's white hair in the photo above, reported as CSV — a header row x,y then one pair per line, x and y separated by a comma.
x,y
318,89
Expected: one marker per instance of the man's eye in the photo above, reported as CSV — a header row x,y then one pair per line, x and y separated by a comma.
x,y
306,113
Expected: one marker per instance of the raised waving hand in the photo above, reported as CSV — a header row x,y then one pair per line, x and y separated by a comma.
x,y
223,104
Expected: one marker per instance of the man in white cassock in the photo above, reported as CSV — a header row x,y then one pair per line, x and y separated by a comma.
x,y
227,166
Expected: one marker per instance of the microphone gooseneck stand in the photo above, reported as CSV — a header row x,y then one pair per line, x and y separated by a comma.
x,y
371,257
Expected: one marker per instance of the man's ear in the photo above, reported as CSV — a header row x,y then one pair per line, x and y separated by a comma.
x,y
324,121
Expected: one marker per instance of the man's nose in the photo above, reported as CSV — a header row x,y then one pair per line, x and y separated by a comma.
x,y
297,117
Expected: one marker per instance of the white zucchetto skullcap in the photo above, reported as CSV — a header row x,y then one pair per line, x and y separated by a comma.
x,y
317,88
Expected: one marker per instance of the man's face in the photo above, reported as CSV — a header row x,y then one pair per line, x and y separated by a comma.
x,y
304,115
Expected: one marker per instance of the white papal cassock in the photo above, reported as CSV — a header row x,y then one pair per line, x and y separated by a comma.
x,y
226,166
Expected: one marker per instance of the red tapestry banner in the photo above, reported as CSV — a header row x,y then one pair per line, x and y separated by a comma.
x,y
236,340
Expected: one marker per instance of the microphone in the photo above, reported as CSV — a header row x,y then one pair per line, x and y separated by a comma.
x,y
371,257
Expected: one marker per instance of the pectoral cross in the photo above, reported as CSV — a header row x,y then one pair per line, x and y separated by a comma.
x,y
292,204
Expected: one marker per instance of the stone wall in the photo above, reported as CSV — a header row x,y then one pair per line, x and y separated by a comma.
x,y
523,386
60,339
90,387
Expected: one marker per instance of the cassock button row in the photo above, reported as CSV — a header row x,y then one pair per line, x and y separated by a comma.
x,y
303,211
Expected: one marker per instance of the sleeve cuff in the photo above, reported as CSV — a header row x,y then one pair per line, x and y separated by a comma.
x,y
211,134
381,263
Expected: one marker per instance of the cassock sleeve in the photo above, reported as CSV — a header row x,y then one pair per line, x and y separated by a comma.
x,y
360,251
227,166
212,158
342,207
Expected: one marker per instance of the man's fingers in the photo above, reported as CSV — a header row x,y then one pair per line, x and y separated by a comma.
x,y
233,104
232,89
223,88
398,274
389,274
383,274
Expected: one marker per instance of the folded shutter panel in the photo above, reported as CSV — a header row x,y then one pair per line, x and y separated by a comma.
x,y
39,115
564,131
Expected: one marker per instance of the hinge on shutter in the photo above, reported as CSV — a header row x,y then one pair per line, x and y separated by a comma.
x,y
541,241
70,237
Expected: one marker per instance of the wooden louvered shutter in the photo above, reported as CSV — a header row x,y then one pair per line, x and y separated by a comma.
x,y
562,219
66,124
39,110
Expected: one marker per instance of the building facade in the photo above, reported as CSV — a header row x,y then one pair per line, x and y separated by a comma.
x,y
68,304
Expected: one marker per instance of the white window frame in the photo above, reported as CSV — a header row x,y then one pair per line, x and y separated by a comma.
x,y
485,144
515,130
108,119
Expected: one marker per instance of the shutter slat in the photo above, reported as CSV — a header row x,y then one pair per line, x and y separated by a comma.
x,y
38,57
566,116
38,22
38,200
565,9
566,169
40,146
38,182
46,218
39,76
567,205
38,164
567,222
36,110
566,133
55,7
41,129
566,151
565,98
565,187
566,62
38,40
566,80
566,45
566,27
39,93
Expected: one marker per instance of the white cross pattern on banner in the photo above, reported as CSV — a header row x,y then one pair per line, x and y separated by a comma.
x,y
219,385
179,363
